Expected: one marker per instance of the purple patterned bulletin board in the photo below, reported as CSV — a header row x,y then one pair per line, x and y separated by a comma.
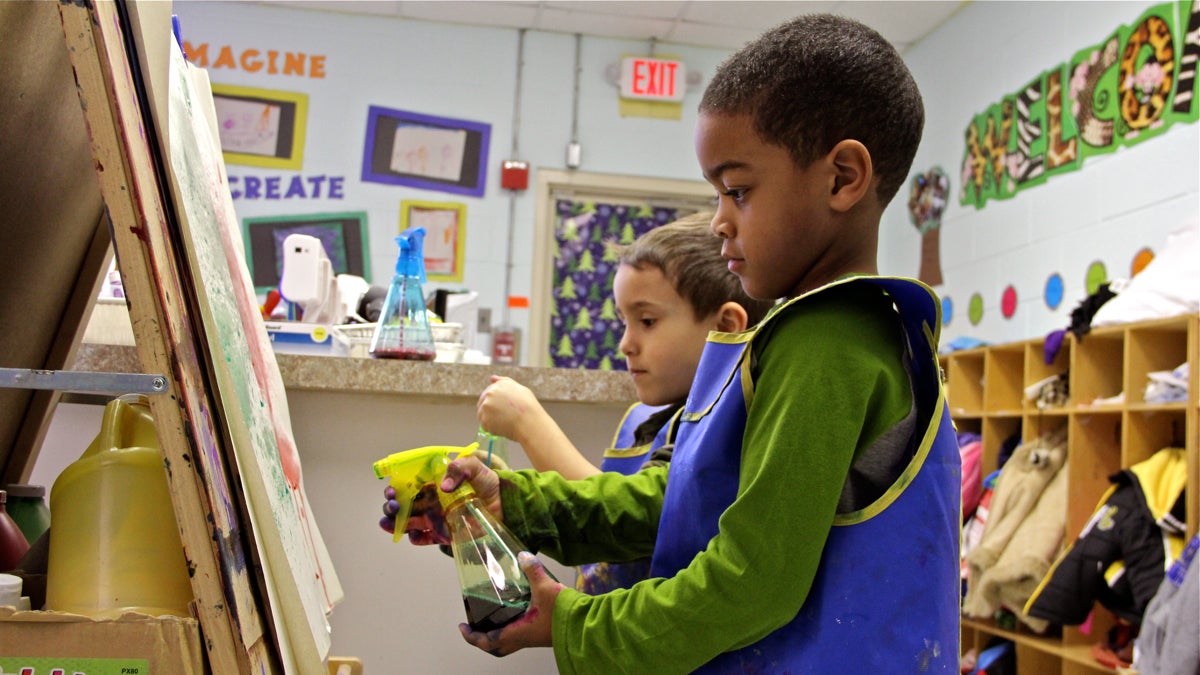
x,y
584,328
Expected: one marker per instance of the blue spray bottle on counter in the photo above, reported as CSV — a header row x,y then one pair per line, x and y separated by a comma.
x,y
403,331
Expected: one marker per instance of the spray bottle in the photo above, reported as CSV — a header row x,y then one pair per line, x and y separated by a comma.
x,y
494,589
403,331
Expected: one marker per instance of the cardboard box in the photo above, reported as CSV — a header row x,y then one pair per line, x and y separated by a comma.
x,y
134,644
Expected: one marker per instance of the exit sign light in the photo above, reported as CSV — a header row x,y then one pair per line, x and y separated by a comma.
x,y
650,79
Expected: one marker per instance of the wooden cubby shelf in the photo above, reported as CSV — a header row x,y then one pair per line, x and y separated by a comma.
x,y
1109,424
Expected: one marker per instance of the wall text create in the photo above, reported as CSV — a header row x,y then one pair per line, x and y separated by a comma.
x,y
283,187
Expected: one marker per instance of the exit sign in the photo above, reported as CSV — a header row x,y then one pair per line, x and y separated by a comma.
x,y
652,79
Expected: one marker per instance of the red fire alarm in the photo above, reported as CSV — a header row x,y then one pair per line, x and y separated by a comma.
x,y
514,175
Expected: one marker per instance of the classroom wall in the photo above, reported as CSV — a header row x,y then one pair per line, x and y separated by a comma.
x,y
452,71
1109,209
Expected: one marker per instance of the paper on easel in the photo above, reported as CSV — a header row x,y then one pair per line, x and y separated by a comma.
x,y
301,584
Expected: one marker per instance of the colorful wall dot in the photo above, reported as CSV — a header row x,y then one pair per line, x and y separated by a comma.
x,y
975,309
947,311
1008,302
1096,275
1054,291
1140,260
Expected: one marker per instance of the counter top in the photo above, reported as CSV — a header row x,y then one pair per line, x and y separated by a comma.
x,y
403,378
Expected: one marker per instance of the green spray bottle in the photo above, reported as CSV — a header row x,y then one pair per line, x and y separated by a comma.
x,y
494,589
403,331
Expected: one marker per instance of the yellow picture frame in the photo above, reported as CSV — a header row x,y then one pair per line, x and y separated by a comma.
x,y
445,241
261,127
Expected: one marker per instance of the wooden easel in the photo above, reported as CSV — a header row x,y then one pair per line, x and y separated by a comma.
x,y
56,186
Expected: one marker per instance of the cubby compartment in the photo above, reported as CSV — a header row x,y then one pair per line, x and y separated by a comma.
x,y
1038,371
1148,431
964,382
1076,660
973,425
1077,644
1161,346
1094,454
1097,369
998,433
1102,439
1003,379
1035,658
1042,423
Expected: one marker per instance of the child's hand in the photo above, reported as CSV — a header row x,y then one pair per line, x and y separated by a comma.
x,y
485,481
511,410
532,629
505,406
426,523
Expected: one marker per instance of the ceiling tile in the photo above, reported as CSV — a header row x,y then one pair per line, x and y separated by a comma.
x,y
900,21
607,25
343,6
502,14
720,24
756,14
653,9
707,35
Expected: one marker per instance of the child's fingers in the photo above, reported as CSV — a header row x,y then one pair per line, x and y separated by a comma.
x,y
539,577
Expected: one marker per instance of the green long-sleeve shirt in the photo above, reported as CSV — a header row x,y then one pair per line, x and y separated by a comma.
x,y
829,380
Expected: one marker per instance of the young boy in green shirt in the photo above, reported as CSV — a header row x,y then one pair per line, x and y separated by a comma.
x,y
809,519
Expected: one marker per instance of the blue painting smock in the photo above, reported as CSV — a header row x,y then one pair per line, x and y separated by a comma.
x,y
885,594
626,456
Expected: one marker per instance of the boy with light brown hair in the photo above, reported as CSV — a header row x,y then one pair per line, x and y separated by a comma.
x,y
671,289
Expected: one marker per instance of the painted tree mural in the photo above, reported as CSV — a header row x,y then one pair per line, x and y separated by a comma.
x,y
584,330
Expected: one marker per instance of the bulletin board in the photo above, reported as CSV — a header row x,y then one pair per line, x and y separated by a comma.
x,y
585,331
343,235
425,151
261,127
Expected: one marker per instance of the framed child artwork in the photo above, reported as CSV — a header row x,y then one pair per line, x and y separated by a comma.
x,y
261,127
424,151
445,226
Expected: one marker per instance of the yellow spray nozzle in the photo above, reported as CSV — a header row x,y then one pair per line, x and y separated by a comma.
x,y
409,471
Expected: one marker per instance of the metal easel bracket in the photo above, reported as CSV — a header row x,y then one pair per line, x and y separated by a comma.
x,y
82,381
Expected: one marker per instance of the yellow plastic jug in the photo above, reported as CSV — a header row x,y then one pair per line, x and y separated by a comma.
x,y
114,539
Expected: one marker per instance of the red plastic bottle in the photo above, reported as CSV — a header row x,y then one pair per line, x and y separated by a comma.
x,y
13,544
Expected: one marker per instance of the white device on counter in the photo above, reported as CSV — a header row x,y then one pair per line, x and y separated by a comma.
x,y
308,280
351,289
463,308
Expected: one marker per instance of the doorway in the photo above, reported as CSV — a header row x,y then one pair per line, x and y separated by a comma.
x,y
579,218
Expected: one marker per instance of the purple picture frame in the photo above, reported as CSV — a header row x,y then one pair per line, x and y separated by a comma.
x,y
382,127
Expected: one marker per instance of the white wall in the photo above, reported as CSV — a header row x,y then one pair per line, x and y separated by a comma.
x,y
1107,210
449,71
